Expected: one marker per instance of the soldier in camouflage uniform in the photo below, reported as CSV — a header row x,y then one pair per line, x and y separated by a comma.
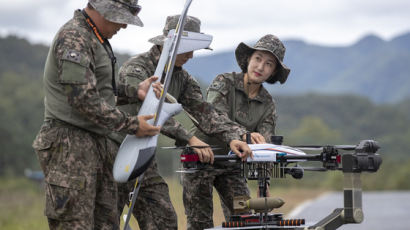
x,y
73,146
244,99
153,208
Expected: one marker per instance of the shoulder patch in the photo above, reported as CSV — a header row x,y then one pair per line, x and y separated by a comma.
x,y
138,72
76,57
220,84
217,85
73,67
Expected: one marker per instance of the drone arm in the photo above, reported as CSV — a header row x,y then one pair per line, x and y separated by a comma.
x,y
226,158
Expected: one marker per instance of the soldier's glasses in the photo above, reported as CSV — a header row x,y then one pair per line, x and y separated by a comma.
x,y
135,8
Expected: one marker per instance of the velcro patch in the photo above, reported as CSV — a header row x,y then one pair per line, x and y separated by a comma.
x,y
217,85
76,57
73,56
74,67
140,73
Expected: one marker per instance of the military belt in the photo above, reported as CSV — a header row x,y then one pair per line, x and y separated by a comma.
x,y
63,124
57,123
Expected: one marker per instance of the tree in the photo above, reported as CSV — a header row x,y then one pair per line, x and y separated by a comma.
x,y
312,130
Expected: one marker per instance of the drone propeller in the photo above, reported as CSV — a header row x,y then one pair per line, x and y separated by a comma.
x,y
320,147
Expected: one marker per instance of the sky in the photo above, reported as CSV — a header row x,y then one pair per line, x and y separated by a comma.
x,y
322,22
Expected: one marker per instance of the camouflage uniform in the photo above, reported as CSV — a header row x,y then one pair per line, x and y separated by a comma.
x,y
257,114
154,209
72,145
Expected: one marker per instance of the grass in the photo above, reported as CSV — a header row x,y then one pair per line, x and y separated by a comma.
x,y
22,203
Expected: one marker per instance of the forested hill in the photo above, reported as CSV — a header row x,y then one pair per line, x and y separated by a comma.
x,y
371,67
18,56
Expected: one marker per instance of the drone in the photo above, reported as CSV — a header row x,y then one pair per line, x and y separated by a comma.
x,y
277,160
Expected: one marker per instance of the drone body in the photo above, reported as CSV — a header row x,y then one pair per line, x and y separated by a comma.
x,y
273,161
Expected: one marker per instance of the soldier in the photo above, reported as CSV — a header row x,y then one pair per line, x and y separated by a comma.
x,y
243,98
154,209
72,145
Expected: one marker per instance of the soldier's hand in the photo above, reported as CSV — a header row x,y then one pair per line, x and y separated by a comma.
x,y
206,155
256,138
157,86
144,128
241,149
144,86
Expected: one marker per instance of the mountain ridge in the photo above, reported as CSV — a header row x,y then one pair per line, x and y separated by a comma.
x,y
371,67
365,68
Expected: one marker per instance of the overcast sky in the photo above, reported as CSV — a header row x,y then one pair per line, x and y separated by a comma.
x,y
326,22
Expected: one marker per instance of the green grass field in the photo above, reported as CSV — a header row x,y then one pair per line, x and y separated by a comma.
x,y
22,203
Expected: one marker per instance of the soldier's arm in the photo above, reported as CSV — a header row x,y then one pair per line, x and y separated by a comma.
x,y
131,75
173,129
217,95
79,82
218,92
211,121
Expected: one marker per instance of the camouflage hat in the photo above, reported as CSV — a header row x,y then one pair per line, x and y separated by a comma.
x,y
119,11
192,24
269,43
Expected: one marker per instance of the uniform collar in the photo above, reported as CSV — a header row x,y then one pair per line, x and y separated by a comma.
x,y
238,82
81,19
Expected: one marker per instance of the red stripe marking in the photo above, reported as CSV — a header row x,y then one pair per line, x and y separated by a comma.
x,y
189,158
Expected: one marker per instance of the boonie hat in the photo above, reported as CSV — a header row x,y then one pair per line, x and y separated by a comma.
x,y
192,24
119,11
269,43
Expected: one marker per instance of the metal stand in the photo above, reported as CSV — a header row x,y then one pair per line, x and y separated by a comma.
x,y
133,199
352,212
